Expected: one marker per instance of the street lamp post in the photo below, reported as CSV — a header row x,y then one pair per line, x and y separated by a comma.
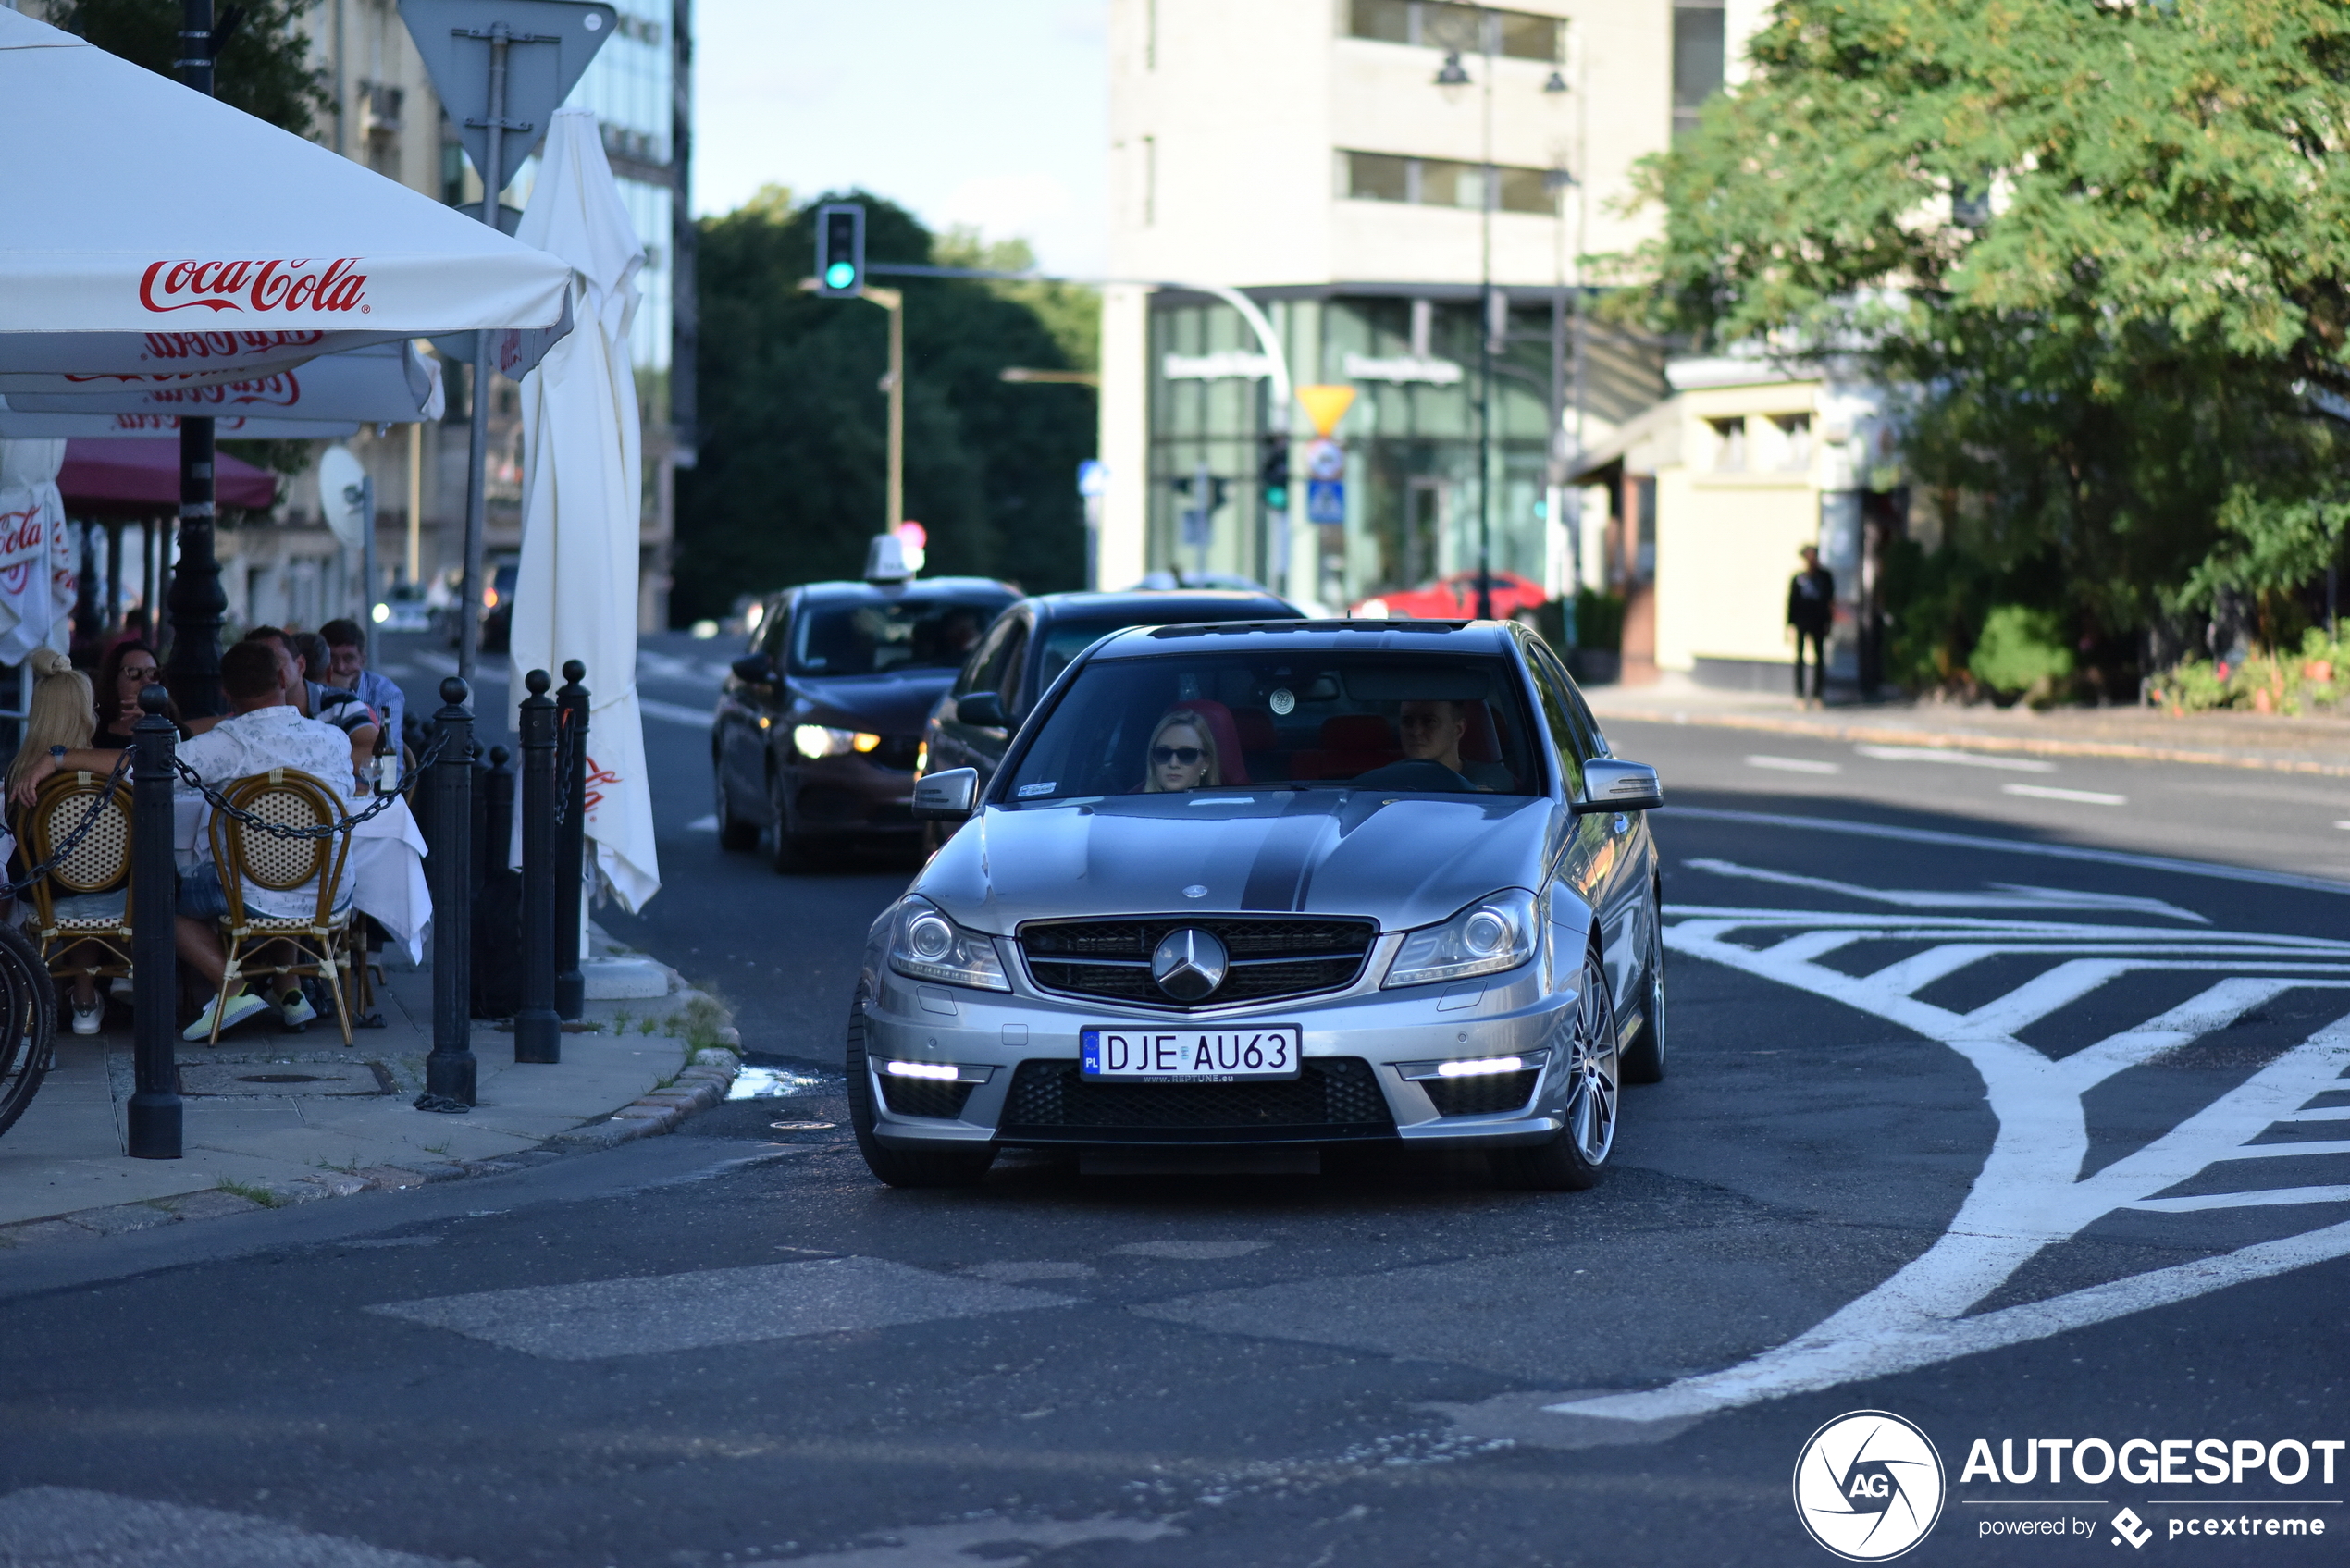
x,y
1453,75
193,672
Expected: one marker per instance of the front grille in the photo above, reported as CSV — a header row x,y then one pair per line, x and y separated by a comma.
x,y
1481,1096
925,1097
1332,1098
895,751
1271,957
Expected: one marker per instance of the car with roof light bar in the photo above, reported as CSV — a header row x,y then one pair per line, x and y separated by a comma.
x,y
1287,885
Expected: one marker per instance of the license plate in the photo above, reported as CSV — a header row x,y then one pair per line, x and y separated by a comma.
x,y
1225,1055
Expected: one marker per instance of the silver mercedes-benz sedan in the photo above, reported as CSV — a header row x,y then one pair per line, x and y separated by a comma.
x,y
1287,885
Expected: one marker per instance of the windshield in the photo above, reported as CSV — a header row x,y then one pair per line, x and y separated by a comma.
x,y
1421,725
879,637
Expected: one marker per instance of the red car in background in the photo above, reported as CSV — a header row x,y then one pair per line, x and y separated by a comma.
x,y
1455,599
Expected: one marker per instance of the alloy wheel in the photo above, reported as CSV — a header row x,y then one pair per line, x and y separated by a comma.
x,y
1592,1068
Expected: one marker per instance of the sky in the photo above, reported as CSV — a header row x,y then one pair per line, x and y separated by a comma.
x,y
990,113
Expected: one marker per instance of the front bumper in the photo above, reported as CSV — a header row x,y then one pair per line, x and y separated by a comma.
x,y
849,794
1366,1051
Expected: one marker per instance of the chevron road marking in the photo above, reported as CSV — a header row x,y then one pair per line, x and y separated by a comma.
x,y
2031,1194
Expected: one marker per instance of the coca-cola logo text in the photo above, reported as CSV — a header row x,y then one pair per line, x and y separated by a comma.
x,y
281,390
226,345
288,285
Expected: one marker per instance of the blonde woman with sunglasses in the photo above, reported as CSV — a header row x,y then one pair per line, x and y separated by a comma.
x,y
1182,755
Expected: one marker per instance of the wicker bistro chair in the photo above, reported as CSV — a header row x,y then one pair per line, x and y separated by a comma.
x,y
84,902
321,940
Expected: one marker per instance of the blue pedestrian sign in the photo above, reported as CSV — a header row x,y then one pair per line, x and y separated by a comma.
x,y
1326,500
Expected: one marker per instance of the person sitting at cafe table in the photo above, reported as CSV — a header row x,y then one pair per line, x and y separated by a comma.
x,y
312,698
59,723
129,669
262,730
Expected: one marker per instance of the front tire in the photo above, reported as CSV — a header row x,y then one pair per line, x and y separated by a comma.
x,y
958,1166
788,853
1644,1059
734,833
1571,1160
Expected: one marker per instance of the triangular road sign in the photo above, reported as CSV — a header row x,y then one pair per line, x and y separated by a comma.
x,y
562,36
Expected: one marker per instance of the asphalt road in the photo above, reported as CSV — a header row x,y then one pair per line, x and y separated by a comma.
x,y
1974,1117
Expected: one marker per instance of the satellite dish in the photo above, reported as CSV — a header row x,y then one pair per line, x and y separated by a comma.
x,y
342,494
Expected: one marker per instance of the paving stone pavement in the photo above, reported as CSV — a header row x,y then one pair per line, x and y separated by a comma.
x,y
273,1118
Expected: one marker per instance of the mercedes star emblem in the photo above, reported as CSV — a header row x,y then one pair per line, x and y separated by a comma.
x,y
1189,964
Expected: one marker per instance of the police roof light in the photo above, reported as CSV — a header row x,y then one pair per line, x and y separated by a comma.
x,y
840,249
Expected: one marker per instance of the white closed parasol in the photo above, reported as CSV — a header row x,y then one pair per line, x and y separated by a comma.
x,y
115,263
36,562
576,590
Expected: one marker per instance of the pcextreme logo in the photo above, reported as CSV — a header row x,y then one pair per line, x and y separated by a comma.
x,y
1869,1486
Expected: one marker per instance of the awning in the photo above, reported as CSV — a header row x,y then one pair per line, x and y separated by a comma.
x,y
388,383
116,476
114,262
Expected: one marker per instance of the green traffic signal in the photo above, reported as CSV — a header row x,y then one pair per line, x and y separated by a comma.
x,y
840,275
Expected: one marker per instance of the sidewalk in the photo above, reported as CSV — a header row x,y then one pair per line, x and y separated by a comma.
x,y
2306,745
273,1117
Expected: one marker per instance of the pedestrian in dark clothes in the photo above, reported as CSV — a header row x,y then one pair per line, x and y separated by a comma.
x,y
1811,609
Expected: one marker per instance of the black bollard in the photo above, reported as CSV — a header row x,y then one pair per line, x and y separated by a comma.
x,y
155,1104
571,841
497,815
449,1071
539,1033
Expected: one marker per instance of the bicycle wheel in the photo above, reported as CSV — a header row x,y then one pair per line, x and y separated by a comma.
x,y
27,1023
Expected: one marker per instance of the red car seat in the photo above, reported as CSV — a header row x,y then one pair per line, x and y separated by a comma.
x,y
1350,744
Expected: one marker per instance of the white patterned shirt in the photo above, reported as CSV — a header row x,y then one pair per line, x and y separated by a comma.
x,y
245,744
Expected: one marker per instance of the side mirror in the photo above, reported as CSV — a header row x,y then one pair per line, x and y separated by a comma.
x,y
947,796
983,708
754,668
1611,785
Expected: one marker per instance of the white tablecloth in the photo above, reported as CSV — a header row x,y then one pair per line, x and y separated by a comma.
x,y
386,871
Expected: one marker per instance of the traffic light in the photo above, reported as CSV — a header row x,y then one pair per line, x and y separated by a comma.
x,y
840,249
1272,473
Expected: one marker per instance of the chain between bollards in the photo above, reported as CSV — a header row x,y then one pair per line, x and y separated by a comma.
x,y
539,1033
154,1119
450,1070
571,841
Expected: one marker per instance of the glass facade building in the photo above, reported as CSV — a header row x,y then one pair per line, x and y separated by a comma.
x,y
1414,497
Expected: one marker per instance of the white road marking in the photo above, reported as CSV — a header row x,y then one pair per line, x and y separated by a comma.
x,y
1955,758
673,712
2342,824
2014,846
70,1525
715,1306
1794,765
2030,1194
2268,1198
2006,895
2079,797
703,824
956,1545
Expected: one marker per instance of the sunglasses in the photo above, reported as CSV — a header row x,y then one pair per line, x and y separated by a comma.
x,y
1186,755
142,674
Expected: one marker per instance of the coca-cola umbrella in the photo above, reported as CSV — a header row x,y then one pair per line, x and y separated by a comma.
x,y
383,384
113,263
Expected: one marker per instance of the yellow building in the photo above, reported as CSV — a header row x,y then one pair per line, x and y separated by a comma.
x,y
1703,502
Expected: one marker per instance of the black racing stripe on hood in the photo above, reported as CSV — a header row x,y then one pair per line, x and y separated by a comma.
x,y
1284,869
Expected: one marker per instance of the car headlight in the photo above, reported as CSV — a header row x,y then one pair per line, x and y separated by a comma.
x,y
812,741
925,945
1490,935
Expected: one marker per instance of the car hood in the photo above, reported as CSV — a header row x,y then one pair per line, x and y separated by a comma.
x,y
890,705
1405,861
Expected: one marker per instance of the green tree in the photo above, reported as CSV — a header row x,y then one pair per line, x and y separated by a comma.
x,y
794,440
2106,244
263,67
